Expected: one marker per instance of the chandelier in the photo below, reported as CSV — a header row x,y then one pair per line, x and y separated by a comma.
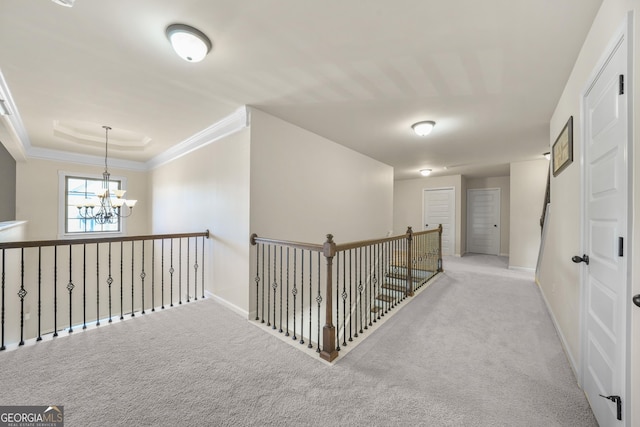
x,y
109,208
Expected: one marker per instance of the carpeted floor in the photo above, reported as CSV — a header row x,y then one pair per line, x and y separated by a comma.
x,y
476,348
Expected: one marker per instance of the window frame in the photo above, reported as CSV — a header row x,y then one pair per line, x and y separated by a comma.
x,y
62,207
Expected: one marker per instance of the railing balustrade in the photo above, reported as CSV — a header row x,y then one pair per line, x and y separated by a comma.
x,y
36,275
295,291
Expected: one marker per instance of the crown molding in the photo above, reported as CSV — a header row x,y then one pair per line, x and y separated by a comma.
x,y
233,123
84,159
12,131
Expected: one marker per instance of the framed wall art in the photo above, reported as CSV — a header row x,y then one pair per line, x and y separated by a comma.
x,y
562,149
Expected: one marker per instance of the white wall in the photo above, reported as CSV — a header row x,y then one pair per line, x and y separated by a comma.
x,y
304,186
209,189
37,196
503,183
408,199
558,277
528,187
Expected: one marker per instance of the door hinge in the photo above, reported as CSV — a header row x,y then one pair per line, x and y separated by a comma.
x,y
618,401
620,246
621,85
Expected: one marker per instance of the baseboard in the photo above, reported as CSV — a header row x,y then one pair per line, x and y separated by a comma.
x,y
229,305
505,255
527,269
563,341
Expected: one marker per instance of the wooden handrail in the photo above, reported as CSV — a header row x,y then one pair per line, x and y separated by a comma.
x,y
67,242
299,245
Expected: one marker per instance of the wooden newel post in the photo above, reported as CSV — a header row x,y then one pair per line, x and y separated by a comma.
x,y
409,289
440,248
329,352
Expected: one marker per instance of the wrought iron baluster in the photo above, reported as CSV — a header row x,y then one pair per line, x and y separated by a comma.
x,y
280,330
268,284
310,345
195,271
263,284
202,269
153,275
381,281
2,346
109,283
188,248
288,259
84,286
302,296
275,285
319,301
171,271
350,294
121,281
257,280
39,292
21,294
360,288
294,291
344,299
97,284
70,287
55,290
162,274
142,277
180,271
133,253
367,284
338,301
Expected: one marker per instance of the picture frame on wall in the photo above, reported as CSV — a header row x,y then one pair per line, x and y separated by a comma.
x,y
562,149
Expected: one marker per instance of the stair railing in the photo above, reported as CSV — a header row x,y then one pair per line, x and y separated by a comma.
x,y
359,282
52,286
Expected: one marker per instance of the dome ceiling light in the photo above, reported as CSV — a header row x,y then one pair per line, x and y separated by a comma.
x,y
423,128
190,44
425,172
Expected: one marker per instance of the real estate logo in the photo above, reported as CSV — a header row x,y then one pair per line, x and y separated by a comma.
x,y
31,416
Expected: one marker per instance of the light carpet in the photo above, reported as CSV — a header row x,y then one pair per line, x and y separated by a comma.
x,y
476,348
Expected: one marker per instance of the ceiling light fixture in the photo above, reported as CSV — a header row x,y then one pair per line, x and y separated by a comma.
x,y
423,128
65,3
425,172
110,206
547,155
190,44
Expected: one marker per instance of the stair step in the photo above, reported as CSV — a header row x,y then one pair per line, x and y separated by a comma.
x,y
376,309
394,287
385,298
401,276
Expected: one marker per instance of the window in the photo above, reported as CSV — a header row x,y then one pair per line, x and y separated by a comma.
x,y
75,191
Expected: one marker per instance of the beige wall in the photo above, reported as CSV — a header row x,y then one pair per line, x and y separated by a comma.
x,y
8,187
37,196
503,183
304,186
209,189
528,186
559,278
408,199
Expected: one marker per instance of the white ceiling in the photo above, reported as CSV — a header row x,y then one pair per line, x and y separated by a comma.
x,y
358,72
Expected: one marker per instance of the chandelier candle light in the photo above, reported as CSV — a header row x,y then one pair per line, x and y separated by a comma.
x,y
110,210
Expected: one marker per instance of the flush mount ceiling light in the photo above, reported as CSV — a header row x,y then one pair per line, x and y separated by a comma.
x,y
65,3
425,172
190,44
423,128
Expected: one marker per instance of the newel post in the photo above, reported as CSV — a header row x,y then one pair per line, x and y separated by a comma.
x,y
329,351
409,290
440,248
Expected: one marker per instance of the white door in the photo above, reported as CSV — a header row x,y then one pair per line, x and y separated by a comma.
x,y
605,296
439,208
483,221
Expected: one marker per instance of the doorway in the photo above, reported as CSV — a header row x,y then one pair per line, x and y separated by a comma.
x,y
483,221
605,231
439,207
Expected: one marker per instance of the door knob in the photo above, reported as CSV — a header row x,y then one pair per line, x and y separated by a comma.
x,y
578,259
636,300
